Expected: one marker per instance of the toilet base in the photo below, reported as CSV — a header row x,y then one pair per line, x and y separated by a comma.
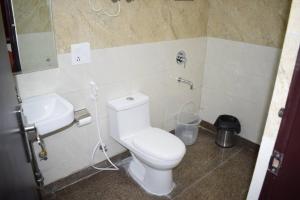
x,y
154,181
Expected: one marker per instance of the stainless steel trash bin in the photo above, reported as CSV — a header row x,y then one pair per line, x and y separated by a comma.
x,y
227,129
226,138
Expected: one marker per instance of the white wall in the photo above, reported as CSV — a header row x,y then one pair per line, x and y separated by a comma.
x,y
148,68
282,84
238,80
33,55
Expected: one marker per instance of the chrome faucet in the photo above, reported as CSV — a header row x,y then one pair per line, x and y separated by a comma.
x,y
181,58
182,80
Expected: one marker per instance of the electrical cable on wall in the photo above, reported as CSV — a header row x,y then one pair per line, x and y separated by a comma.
x,y
104,11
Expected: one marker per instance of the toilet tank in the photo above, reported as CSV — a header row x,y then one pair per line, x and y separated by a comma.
x,y
128,115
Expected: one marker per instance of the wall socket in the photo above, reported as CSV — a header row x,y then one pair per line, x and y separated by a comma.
x,y
81,53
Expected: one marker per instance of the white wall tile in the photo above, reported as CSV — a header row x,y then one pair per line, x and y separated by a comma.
x,y
238,80
37,83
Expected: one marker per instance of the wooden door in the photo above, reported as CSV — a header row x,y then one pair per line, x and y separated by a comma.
x,y
16,175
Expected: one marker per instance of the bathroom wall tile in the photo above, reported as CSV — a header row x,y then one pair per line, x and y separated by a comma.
x,y
254,59
65,23
169,21
73,78
68,150
154,85
152,53
37,83
257,22
112,91
79,98
195,49
250,115
193,76
111,66
238,81
175,101
126,63
77,154
243,86
212,106
173,20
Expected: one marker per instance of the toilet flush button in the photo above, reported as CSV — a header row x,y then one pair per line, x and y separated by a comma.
x,y
129,98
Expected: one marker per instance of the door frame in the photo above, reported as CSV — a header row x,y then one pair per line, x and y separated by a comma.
x,y
10,26
285,130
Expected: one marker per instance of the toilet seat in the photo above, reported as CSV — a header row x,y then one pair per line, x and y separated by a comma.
x,y
159,144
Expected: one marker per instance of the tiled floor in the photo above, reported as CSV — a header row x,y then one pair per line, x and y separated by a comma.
x,y
206,172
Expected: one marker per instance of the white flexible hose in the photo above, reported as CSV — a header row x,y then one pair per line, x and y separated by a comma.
x,y
105,11
100,141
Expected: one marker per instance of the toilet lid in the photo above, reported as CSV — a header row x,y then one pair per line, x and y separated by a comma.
x,y
159,144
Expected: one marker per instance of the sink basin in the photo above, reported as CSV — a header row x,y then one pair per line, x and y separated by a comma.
x,y
48,112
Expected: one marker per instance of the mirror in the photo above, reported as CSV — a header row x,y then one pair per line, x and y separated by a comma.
x,y
34,34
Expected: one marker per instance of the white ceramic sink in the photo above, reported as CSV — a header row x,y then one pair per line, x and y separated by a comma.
x,y
48,112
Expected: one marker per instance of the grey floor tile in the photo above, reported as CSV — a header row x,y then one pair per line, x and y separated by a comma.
x,y
105,186
230,180
200,159
206,172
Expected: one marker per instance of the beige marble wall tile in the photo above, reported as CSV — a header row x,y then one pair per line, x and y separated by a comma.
x,y
32,16
140,21
260,22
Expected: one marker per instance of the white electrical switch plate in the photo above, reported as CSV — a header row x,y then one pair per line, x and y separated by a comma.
x,y
81,53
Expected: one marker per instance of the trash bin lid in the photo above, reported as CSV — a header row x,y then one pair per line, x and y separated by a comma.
x,y
228,122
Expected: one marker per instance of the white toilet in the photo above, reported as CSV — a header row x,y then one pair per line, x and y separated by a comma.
x,y
155,152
